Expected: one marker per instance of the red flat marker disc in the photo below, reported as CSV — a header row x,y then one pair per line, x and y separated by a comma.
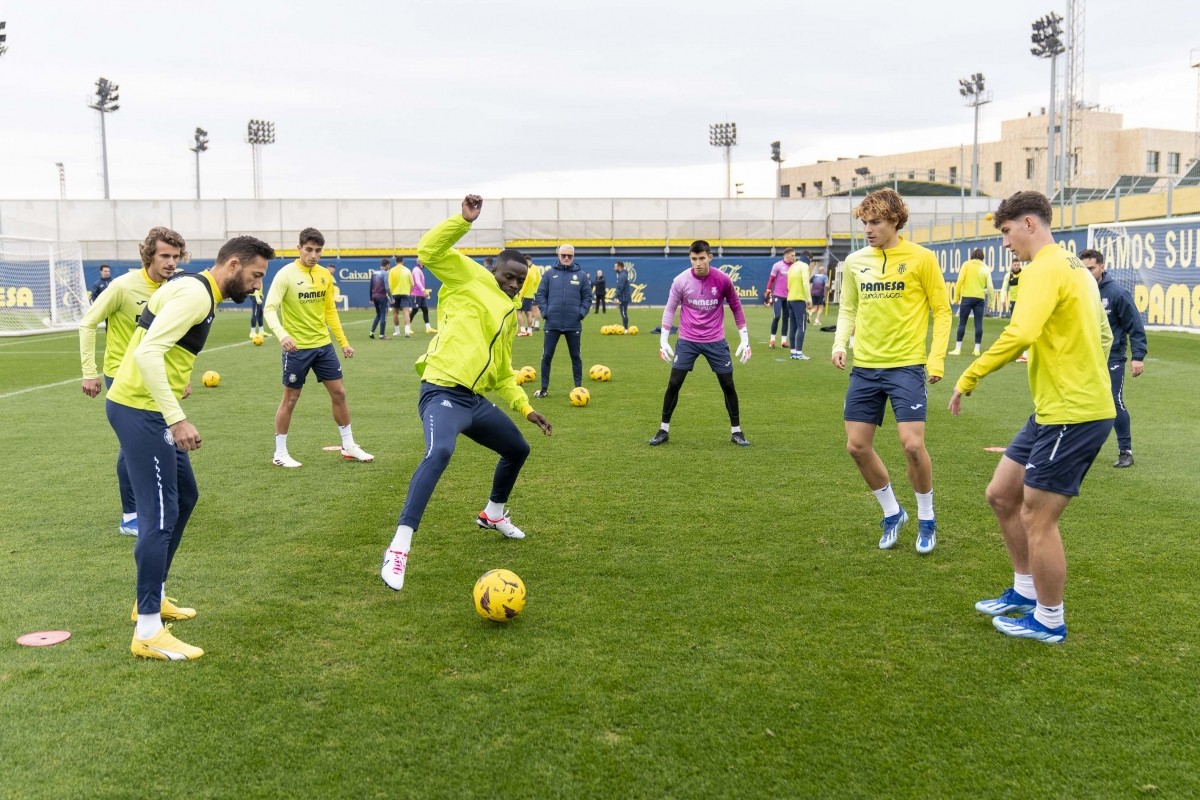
x,y
43,638
995,449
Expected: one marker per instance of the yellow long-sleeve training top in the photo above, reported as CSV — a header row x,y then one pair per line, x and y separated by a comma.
x,y
304,295
886,299
974,280
120,305
473,347
797,282
1062,323
158,362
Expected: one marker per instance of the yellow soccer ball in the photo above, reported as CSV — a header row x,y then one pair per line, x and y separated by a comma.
x,y
605,330
257,340
632,330
580,396
211,379
530,373
499,595
618,330
600,373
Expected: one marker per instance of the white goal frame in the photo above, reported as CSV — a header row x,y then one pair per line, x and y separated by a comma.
x,y
59,304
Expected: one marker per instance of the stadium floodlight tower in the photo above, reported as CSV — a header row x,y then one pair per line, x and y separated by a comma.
x,y
777,156
1048,43
724,135
107,95
62,180
3,38
972,89
258,133
199,147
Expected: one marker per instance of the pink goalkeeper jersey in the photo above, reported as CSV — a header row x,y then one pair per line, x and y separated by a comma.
x,y
701,317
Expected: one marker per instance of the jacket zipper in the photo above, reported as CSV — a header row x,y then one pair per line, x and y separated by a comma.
x,y
490,346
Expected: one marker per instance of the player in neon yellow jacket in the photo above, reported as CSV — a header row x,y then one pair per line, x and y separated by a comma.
x,y
798,279
889,289
119,305
143,408
1061,321
972,288
470,356
300,310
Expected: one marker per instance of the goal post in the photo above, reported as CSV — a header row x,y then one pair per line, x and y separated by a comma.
x,y
42,288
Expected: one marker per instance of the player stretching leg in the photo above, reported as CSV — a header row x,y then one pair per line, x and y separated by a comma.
x,y
119,305
471,355
699,293
889,289
1062,323
303,292
157,436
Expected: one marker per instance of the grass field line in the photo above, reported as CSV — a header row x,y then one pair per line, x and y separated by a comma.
x,y
29,389
25,340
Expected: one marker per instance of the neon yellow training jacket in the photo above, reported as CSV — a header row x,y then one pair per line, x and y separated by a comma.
x,y
473,346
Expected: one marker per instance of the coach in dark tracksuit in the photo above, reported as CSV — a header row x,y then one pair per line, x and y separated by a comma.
x,y
623,293
564,297
1126,323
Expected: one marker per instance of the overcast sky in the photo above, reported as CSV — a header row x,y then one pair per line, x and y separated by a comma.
x,y
536,98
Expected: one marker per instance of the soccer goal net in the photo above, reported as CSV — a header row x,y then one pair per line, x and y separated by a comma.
x,y
41,286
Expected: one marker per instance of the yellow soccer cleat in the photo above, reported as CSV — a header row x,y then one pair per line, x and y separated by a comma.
x,y
168,611
164,647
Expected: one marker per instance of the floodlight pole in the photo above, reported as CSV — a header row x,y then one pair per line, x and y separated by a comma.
x,y
105,103
972,89
199,147
62,180
258,133
724,135
1047,40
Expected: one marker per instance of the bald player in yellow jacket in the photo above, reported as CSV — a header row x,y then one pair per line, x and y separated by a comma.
x,y
155,433
300,310
1062,322
889,289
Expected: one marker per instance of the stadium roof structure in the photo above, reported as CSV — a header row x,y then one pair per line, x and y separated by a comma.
x,y
1131,184
907,188
1191,177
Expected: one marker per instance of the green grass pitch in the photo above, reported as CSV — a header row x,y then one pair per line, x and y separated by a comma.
x,y
703,620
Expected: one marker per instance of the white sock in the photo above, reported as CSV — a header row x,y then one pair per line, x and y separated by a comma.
x,y
347,437
281,444
148,625
925,505
129,516
164,591
735,428
1050,616
1023,584
494,510
666,426
402,541
396,331
887,500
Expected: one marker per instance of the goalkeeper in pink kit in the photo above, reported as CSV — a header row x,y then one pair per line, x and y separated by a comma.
x,y
700,293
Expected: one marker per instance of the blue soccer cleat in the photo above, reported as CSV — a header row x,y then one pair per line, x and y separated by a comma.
x,y
1027,627
891,529
926,535
128,528
1006,603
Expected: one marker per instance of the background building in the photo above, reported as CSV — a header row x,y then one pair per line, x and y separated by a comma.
x,y
1105,152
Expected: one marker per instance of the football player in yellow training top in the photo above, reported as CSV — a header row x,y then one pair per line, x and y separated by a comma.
x,y
889,289
301,312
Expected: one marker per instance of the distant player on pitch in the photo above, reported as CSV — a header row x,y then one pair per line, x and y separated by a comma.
x,y
470,356
156,435
119,305
889,289
301,312
1062,323
700,294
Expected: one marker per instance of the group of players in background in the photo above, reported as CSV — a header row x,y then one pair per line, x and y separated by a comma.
x,y
890,288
